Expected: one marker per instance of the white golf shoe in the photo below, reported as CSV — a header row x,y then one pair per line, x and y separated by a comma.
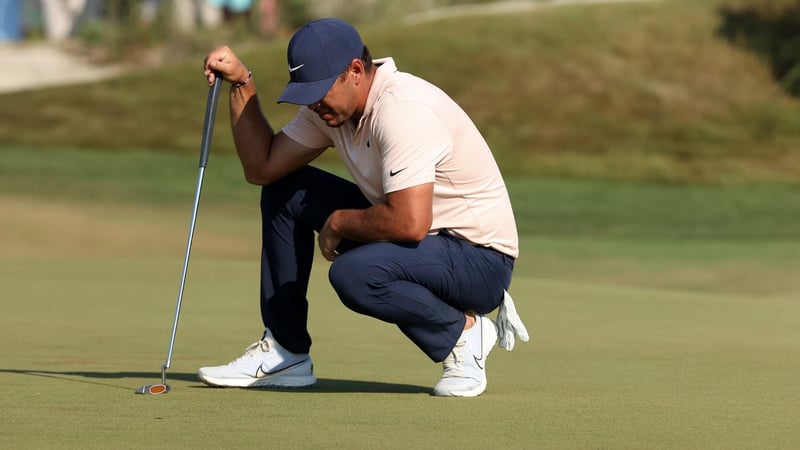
x,y
264,364
464,369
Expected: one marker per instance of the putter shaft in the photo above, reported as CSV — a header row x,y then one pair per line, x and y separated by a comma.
x,y
205,148
168,361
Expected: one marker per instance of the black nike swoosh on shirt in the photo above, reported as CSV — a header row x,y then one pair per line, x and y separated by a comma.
x,y
395,172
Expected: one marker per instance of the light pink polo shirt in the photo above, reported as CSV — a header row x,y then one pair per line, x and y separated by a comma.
x,y
413,133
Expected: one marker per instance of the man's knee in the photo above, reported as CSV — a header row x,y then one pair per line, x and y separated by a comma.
x,y
354,280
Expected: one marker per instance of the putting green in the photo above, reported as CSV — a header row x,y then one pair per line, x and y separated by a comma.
x,y
678,334
608,366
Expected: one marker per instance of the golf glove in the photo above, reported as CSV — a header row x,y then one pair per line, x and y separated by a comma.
x,y
509,325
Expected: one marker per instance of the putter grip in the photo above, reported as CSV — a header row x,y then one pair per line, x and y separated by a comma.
x,y
208,122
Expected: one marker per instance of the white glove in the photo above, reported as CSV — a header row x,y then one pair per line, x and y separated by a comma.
x,y
509,325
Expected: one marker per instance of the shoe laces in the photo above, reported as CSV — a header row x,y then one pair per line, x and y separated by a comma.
x,y
251,351
454,363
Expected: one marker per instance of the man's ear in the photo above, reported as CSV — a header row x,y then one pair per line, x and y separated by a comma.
x,y
357,70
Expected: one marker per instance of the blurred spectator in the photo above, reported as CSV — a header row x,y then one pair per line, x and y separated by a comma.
x,y
232,9
186,14
10,20
60,17
149,10
268,17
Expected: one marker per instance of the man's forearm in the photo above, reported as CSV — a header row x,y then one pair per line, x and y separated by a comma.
x,y
252,133
407,216
375,224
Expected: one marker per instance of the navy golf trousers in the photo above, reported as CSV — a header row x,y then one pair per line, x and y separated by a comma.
x,y
424,288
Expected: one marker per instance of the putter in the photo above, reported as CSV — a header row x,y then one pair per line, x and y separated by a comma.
x,y
205,147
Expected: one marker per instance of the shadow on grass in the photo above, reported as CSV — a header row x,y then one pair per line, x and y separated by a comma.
x,y
87,376
324,385
329,385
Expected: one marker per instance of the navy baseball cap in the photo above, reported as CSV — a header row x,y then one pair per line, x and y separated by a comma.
x,y
318,53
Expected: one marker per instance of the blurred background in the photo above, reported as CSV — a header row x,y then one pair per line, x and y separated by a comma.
x,y
61,19
651,149
672,123
668,90
666,120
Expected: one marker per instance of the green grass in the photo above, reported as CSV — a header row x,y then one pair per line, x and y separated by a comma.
x,y
649,330
732,239
124,177
608,367
543,206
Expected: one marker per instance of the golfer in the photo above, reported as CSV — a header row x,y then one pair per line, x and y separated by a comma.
x,y
424,239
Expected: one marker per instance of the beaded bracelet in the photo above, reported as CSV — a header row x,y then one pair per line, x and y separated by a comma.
x,y
242,83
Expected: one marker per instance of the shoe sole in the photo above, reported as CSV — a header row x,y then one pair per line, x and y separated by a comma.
x,y
296,376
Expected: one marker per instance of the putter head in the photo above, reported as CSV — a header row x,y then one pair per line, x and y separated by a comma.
x,y
154,389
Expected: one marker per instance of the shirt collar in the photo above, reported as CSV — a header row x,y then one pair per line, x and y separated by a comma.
x,y
384,68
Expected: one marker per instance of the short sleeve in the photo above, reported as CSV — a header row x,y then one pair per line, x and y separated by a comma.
x,y
305,130
412,140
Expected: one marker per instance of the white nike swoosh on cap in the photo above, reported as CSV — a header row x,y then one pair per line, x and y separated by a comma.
x,y
292,69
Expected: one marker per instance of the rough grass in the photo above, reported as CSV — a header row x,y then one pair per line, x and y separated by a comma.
x,y
642,91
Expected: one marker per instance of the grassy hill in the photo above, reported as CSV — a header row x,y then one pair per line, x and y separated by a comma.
x,y
630,91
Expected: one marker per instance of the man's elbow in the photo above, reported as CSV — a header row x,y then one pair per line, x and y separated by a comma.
x,y
257,178
415,231
254,179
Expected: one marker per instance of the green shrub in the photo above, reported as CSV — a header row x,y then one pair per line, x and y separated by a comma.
x,y
770,29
